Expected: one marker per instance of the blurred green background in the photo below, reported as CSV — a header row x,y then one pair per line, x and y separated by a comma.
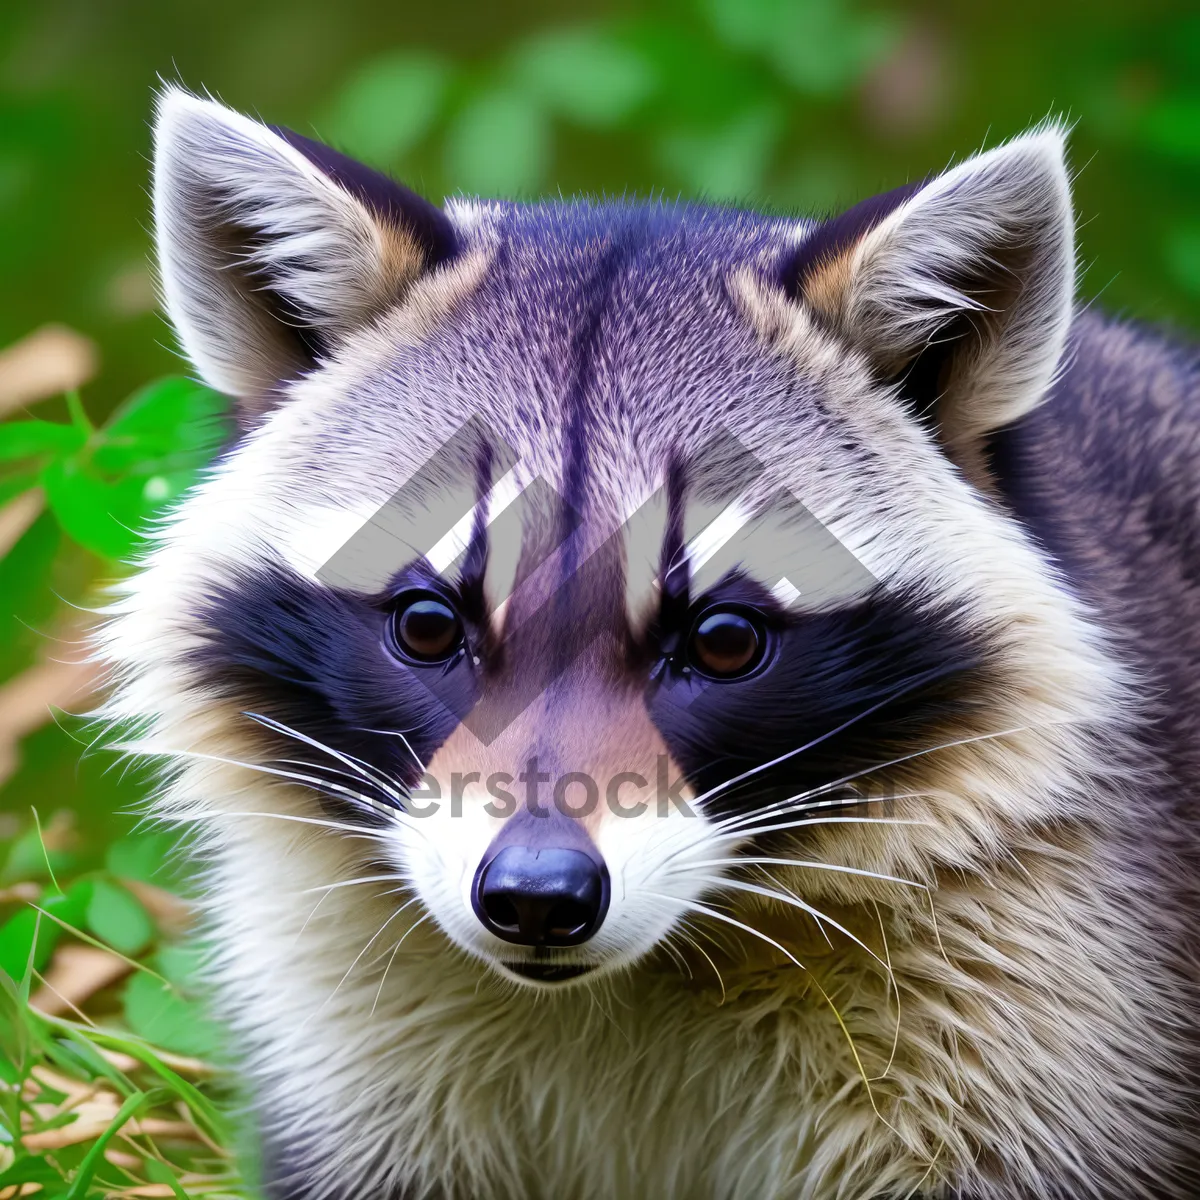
x,y
799,106
796,105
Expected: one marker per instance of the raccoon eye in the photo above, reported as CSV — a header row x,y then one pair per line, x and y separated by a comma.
x,y
424,628
726,643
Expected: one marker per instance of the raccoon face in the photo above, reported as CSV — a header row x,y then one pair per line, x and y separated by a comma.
x,y
590,572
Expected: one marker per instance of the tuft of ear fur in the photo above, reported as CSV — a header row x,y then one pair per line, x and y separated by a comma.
x,y
959,290
272,247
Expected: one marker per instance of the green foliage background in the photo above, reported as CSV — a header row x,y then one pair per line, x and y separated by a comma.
x,y
799,105
796,105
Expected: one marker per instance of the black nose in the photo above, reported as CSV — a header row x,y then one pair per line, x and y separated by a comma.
x,y
546,897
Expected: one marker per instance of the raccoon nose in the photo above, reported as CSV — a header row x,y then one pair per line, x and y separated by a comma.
x,y
542,897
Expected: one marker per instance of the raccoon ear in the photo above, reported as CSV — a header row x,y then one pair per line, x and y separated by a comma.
x,y
960,289
272,247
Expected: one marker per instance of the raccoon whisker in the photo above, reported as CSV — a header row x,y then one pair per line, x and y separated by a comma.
x,y
800,804
391,801
357,959
668,945
744,833
820,924
596,999
308,919
720,938
717,915
386,969
667,942
344,883
407,744
364,770
827,787
798,862
392,793
740,885
895,989
380,956
325,896
312,766
357,830
727,946
915,682
320,785
685,935
395,950
720,916
754,830
695,945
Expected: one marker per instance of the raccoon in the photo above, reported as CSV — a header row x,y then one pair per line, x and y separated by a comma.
x,y
677,702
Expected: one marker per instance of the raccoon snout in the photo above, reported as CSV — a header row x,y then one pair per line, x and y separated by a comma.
x,y
548,896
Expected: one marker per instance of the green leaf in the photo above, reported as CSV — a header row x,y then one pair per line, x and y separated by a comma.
x,y
181,963
30,1169
77,1056
12,485
160,1015
585,75
159,1172
14,1032
78,413
101,516
17,950
140,856
499,145
172,423
388,106
29,573
147,455
27,859
70,908
116,917
825,48
29,439
17,934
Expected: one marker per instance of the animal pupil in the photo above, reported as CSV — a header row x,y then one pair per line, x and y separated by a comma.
x,y
425,628
726,644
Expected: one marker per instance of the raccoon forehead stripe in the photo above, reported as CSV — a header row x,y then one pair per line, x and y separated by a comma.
x,y
458,539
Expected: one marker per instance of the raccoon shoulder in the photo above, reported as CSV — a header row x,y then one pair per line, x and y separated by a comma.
x,y
1114,449
1105,474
